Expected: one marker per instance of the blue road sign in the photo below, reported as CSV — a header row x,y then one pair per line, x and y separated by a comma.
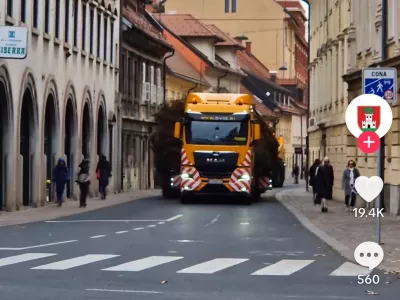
x,y
381,82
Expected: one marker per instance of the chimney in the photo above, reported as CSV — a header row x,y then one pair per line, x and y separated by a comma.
x,y
273,75
248,47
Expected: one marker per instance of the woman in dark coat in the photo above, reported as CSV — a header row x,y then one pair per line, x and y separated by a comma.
x,y
83,181
103,172
313,168
60,177
324,184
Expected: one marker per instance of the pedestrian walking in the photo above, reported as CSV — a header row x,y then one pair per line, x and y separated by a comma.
x,y
350,174
103,172
311,172
60,177
295,174
324,184
83,181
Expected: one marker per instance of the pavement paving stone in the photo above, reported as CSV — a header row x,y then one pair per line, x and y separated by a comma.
x,y
345,228
70,207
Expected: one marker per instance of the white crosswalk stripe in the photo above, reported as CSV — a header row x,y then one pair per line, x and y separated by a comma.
x,y
143,264
212,266
284,267
74,262
350,269
11,260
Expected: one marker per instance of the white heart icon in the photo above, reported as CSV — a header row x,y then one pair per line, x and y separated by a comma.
x,y
369,187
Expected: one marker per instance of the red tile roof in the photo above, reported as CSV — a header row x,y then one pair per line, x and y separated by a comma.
x,y
182,68
142,23
293,4
185,25
248,61
228,40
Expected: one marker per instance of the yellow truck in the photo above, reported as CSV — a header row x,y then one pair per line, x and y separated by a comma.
x,y
218,133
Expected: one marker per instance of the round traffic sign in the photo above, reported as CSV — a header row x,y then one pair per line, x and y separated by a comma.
x,y
388,95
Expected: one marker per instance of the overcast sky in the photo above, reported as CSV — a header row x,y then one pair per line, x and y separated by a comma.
x,y
305,6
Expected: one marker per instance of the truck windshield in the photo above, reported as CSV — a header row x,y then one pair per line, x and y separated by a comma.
x,y
217,133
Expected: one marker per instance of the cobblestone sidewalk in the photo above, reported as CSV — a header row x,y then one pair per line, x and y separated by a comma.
x,y
70,207
342,230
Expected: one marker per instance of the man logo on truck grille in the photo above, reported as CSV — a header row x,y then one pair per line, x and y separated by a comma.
x,y
215,160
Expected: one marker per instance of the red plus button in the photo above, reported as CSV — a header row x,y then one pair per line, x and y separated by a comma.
x,y
369,142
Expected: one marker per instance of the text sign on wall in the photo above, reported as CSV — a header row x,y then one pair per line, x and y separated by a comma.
x,y
13,42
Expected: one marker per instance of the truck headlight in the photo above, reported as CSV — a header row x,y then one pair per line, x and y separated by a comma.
x,y
245,177
185,176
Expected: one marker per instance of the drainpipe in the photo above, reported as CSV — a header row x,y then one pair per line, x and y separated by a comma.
x,y
193,88
308,92
172,53
381,153
219,80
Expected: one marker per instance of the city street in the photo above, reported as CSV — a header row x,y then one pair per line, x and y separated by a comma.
x,y
155,248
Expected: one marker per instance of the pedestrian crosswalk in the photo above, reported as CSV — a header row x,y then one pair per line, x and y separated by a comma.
x,y
284,267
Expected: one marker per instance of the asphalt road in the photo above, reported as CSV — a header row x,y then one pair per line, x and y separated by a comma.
x,y
152,249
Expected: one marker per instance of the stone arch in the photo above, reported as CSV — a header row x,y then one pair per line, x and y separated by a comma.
x,y
50,128
70,133
101,125
116,12
28,124
6,135
86,123
109,7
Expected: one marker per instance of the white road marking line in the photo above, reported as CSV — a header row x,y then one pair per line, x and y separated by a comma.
x,y
139,228
144,263
173,218
120,232
186,241
244,223
22,258
151,226
212,266
213,221
39,246
90,221
350,269
97,236
74,262
284,267
123,291
160,223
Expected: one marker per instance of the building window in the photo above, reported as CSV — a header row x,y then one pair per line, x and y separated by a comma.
x,y
105,44
233,6
112,43
57,24
23,11
158,77
66,29
35,13
130,75
122,72
83,26
226,6
47,16
10,8
91,30
98,34
76,19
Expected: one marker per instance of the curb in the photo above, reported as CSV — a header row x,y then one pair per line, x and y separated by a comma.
x,y
77,211
332,242
328,239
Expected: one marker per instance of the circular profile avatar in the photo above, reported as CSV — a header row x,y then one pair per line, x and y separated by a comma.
x,y
368,118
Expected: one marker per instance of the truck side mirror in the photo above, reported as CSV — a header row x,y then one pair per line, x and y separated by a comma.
x,y
177,130
256,132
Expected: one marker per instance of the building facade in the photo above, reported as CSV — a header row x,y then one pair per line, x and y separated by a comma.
x,y
142,89
59,100
365,51
264,22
